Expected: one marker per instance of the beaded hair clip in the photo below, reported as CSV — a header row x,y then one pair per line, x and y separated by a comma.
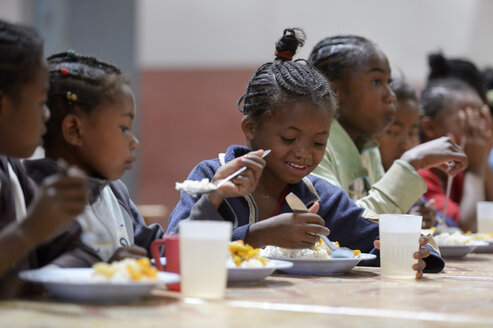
x,y
71,96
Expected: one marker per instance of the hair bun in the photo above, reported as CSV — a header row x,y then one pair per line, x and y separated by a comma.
x,y
292,39
439,66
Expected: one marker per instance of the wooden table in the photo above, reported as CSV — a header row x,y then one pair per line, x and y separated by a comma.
x,y
461,296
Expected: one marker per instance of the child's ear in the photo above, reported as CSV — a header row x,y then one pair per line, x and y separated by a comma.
x,y
72,130
427,127
248,126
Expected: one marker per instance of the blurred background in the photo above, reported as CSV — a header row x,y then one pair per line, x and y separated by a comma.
x,y
190,60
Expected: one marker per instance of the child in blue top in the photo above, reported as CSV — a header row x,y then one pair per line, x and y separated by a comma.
x,y
27,219
92,111
288,108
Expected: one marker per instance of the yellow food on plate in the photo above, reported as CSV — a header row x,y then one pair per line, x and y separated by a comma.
x,y
245,256
127,270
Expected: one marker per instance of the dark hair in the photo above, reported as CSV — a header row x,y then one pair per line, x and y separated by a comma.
x,y
403,90
21,55
285,80
335,54
432,99
462,69
78,84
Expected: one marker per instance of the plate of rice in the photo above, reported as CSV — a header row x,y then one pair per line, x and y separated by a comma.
x,y
245,265
456,245
118,282
484,237
315,260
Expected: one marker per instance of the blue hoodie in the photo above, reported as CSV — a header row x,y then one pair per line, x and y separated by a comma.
x,y
348,223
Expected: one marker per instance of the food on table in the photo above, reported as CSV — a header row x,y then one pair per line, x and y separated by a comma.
x,y
486,236
456,238
198,186
245,256
127,270
319,251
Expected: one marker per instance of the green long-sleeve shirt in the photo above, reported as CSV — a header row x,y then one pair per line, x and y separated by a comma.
x,y
357,168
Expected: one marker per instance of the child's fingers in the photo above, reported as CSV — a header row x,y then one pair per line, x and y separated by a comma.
x,y
376,243
307,218
316,230
420,266
314,208
422,253
423,241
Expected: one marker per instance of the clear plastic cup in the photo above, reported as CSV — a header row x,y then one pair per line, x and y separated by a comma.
x,y
399,239
203,254
484,215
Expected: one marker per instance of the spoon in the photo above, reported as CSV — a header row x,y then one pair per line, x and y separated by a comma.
x,y
335,252
194,188
442,224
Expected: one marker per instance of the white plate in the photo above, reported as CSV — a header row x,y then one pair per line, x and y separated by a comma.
x,y
321,267
488,248
252,275
74,285
458,251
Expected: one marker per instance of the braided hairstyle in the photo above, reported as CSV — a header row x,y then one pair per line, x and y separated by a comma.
x,y
333,55
78,84
462,69
284,80
21,54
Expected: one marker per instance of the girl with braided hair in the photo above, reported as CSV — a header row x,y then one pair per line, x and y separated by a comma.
x,y
27,218
360,74
288,108
92,111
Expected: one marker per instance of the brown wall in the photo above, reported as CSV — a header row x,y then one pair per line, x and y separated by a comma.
x,y
185,116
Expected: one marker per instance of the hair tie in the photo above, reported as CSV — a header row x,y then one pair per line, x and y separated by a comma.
x,y
71,96
64,71
288,55
71,54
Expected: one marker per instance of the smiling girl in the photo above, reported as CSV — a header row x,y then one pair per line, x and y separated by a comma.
x,y
287,108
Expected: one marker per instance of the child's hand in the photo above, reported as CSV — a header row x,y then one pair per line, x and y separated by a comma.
x,y
419,255
133,252
244,183
427,210
58,201
477,140
437,153
290,230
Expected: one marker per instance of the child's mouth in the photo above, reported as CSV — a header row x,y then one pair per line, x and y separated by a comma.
x,y
297,169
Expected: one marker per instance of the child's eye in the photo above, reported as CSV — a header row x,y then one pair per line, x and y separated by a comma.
x,y
377,81
390,81
319,144
392,133
288,140
124,128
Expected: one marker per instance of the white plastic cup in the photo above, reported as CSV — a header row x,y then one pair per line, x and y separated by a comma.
x,y
399,239
484,215
203,255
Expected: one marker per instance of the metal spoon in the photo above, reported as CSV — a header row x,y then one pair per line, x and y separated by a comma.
x,y
335,252
442,224
206,186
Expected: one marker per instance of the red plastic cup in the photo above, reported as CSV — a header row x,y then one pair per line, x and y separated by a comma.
x,y
172,252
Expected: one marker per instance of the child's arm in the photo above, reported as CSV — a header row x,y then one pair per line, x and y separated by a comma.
x,y
201,208
242,184
58,202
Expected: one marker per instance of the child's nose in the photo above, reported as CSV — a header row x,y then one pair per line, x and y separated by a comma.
x,y
135,142
390,97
